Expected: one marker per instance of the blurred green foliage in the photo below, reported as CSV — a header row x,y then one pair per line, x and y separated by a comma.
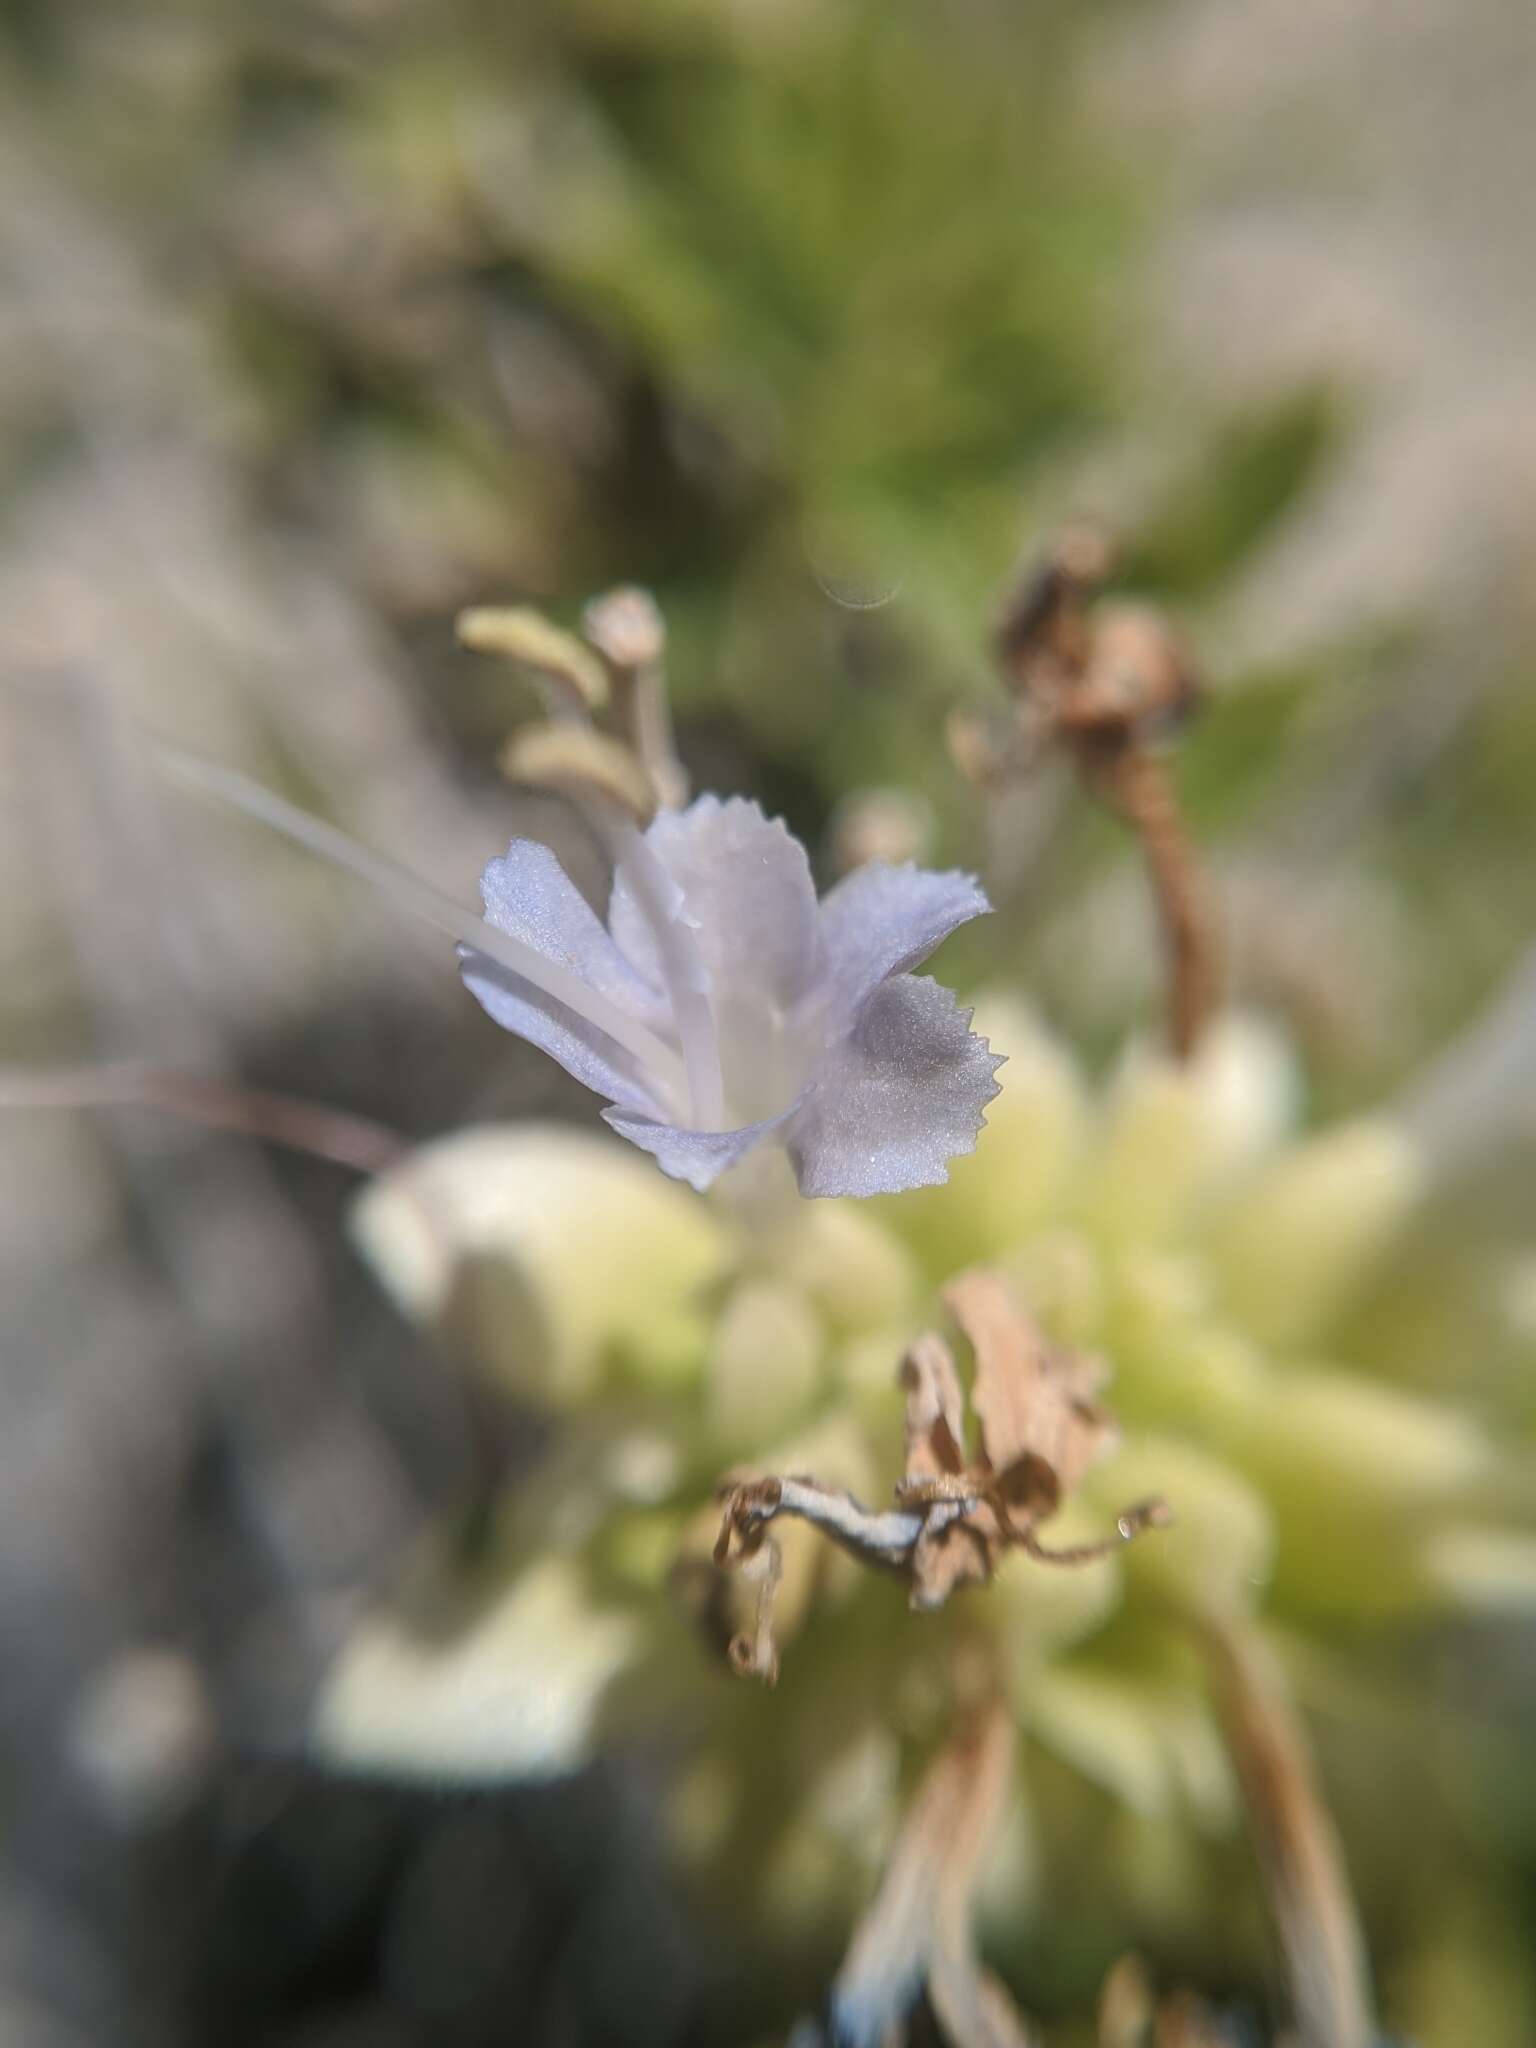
x,y
811,318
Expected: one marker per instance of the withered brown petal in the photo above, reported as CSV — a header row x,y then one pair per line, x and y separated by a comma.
x,y
1030,1400
973,2007
1031,1486
962,1553
919,1923
935,1427
753,1652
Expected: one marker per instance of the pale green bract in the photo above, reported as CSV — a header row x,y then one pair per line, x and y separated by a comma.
x,y
1175,1221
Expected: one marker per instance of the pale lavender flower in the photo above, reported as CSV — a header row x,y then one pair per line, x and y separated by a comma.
x,y
722,1007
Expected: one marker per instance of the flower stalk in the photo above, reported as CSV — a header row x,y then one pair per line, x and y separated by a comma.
x,y
1107,681
1298,1847
788,1023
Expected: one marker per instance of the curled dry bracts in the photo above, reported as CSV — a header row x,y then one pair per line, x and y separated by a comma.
x,y
1039,1426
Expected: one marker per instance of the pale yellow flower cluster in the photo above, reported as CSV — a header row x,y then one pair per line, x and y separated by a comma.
x,y
1176,1221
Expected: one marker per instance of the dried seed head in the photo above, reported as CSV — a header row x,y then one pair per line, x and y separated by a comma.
x,y
1105,680
1138,676
955,1516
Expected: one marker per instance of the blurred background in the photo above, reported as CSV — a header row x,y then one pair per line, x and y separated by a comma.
x,y
321,320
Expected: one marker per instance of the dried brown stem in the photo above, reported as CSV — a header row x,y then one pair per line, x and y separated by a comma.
x,y
1129,1524
1298,1848
216,1104
1137,785
956,1516
1104,680
918,1926
899,1539
756,1655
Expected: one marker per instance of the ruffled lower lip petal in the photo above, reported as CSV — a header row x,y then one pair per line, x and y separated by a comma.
x,y
898,1097
881,921
698,1157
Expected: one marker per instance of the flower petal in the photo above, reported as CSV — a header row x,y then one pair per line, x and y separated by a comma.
x,y
893,1102
528,894
747,889
1017,1181
698,1157
883,920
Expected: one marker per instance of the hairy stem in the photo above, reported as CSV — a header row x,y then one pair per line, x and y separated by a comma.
x,y
409,892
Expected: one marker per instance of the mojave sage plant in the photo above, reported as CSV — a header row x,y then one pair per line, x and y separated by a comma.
x,y
722,1361
717,1007
1177,1225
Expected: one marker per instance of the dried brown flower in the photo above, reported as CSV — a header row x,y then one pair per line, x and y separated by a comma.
x,y
915,1940
1039,1428
1106,680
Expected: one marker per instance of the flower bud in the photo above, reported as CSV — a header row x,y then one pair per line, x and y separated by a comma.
x,y
854,1271
1358,1475
592,1261
1294,1245
1143,1736
572,674
1174,1136
1040,1609
505,1684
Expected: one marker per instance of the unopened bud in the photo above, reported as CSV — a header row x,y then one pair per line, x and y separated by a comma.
x,y
1137,675
582,764
891,825
528,638
626,626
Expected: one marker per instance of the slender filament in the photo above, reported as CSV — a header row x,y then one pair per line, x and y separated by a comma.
x,y
410,892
